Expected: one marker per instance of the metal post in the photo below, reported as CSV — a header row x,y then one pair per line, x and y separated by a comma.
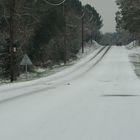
x,y
11,35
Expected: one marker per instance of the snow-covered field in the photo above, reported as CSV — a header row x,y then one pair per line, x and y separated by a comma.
x,y
83,102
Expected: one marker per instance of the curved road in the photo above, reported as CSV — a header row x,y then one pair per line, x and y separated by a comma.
x,y
93,103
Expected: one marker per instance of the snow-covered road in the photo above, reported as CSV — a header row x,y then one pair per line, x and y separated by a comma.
x,y
86,103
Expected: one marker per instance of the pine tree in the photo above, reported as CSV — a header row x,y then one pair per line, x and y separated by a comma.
x,y
128,16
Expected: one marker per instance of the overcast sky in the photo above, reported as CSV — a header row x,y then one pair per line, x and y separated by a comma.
x,y
107,9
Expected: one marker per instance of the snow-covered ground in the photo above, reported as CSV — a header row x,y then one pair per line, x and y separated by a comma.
x,y
132,45
134,56
14,90
83,102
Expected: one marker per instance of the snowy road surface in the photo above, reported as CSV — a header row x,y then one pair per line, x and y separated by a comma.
x,y
88,103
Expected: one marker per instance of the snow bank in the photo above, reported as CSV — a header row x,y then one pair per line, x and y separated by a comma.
x,y
134,56
88,48
16,90
132,45
42,72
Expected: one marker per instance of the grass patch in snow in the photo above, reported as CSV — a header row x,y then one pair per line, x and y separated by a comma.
x,y
134,56
135,60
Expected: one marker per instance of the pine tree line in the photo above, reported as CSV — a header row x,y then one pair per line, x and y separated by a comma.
x,y
45,32
128,17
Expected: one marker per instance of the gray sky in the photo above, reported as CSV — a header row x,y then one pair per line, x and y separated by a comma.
x,y
107,9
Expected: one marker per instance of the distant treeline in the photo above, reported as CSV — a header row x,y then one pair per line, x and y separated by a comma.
x,y
117,38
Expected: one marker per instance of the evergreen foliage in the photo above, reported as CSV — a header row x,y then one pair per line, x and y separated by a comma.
x,y
128,16
48,33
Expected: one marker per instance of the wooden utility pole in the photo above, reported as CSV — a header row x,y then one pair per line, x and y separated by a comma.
x,y
11,36
134,40
65,44
83,34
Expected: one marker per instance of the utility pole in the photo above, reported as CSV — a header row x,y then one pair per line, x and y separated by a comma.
x,y
134,40
91,36
82,34
63,10
11,36
90,20
65,44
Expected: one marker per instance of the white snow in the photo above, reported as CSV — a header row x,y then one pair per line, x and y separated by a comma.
x,y
48,82
135,50
80,103
88,48
134,56
40,70
132,45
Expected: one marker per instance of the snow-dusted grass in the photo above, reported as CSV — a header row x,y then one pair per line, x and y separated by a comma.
x,y
20,89
38,72
132,45
134,56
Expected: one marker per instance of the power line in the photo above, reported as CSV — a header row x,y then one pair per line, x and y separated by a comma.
x,y
54,4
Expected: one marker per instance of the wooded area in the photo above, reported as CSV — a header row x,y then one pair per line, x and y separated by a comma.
x,y
46,31
128,17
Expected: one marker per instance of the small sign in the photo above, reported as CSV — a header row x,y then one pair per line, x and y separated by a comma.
x,y
26,60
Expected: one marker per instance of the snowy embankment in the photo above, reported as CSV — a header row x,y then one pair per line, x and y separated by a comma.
x,y
38,72
134,56
11,91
